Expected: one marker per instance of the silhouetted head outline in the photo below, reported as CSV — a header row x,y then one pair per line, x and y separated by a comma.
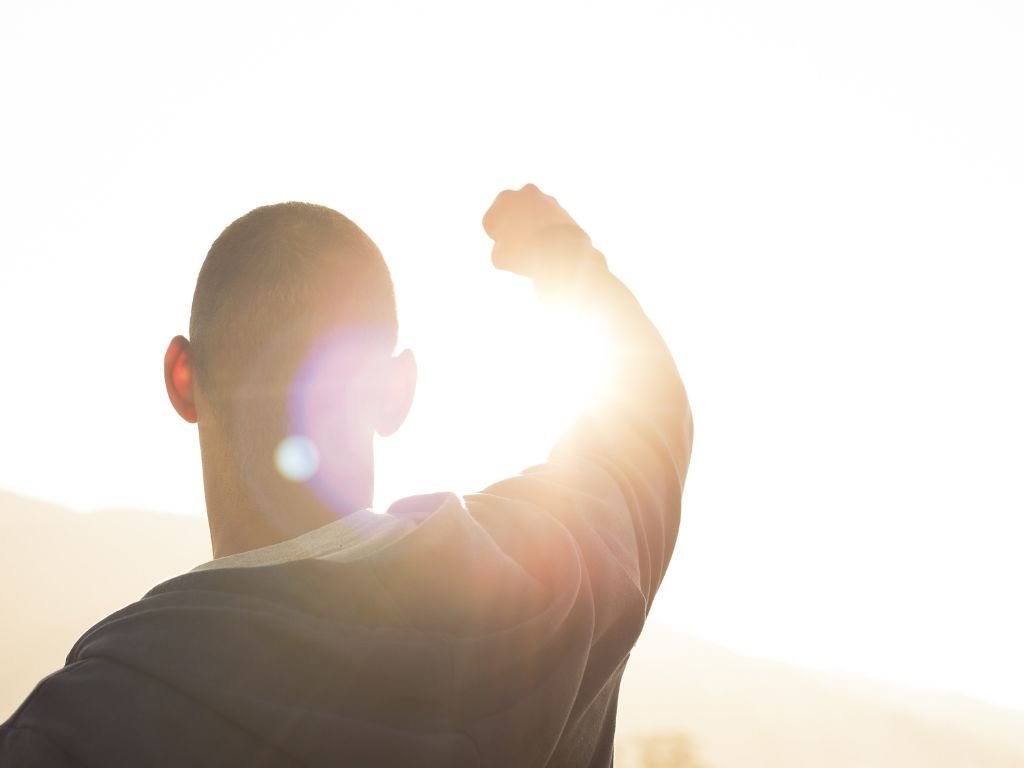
x,y
291,360
280,273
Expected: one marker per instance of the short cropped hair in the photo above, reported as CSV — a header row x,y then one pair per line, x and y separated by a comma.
x,y
280,268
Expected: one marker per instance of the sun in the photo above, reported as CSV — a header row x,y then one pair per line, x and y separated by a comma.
x,y
572,347
496,398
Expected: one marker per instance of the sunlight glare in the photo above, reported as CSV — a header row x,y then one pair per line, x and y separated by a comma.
x,y
573,349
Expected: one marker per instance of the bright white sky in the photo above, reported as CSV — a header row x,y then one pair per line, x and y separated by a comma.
x,y
819,204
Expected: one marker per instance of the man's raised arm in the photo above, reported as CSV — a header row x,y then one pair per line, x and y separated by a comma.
x,y
629,452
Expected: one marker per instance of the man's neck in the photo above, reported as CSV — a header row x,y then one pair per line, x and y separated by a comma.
x,y
241,530
261,509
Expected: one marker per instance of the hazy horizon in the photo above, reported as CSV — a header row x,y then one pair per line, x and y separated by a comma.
x,y
660,630
680,695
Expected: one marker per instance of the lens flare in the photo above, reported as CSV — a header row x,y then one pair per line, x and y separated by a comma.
x,y
331,401
297,458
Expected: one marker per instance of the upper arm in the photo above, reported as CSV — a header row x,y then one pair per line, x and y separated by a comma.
x,y
640,462
614,484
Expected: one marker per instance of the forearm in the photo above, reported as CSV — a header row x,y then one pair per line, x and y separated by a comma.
x,y
615,478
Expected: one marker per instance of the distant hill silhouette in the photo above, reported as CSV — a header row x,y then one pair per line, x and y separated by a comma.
x,y
743,712
685,703
63,571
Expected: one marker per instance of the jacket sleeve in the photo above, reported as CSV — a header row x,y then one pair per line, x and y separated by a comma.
x,y
614,480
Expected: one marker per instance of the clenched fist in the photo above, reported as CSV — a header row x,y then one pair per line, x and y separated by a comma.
x,y
534,236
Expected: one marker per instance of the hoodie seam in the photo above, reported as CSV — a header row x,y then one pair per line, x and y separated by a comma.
x,y
45,737
295,760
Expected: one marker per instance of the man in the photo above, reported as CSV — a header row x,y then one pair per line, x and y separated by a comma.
x,y
490,630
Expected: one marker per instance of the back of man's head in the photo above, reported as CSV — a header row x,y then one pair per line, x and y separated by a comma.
x,y
274,280
289,371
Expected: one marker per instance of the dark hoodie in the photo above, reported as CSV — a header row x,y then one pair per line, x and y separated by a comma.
x,y
490,630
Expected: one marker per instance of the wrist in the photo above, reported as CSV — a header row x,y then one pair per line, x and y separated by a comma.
x,y
567,265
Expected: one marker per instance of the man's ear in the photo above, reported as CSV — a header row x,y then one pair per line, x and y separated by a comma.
x,y
179,379
398,387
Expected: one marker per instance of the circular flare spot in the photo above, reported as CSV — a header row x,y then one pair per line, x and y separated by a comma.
x,y
297,458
